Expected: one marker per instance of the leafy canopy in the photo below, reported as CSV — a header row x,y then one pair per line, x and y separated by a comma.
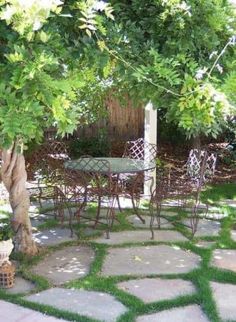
x,y
47,77
178,54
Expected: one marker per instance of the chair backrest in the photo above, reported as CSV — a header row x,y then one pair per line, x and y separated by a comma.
x,y
96,172
201,165
140,150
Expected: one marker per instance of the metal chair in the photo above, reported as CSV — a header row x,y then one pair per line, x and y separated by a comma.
x,y
99,184
140,150
42,165
133,183
183,187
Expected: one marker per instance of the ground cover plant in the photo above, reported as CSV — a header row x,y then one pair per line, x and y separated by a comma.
x,y
201,276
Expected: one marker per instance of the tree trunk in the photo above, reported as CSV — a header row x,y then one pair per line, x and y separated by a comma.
x,y
197,142
14,177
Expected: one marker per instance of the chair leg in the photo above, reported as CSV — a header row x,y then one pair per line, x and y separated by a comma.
x,y
110,216
158,216
151,219
98,211
155,214
70,221
118,203
194,221
135,207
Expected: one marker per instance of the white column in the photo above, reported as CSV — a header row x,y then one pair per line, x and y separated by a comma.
x,y
150,135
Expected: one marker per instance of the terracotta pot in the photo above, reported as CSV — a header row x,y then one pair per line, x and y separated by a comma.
x,y
6,247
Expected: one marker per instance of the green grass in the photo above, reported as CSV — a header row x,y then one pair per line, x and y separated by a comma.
x,y
200,277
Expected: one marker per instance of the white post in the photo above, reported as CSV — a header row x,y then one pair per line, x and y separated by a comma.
x,y
150,136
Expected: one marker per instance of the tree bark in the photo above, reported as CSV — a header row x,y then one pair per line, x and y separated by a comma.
x,y
14,177
197,142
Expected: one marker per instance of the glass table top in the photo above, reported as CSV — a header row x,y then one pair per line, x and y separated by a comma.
x,y
117,165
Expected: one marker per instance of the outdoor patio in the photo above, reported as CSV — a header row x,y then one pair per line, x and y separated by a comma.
x,y
171,278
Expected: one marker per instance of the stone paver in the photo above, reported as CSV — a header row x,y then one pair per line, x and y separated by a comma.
x,y
229,202
188,313
157,289
21,285
215,215
136,222
135,236
233,235
225,295
66,264
206,228
14,313
205,244
224,259
6,208
144,260
39,219
53,236
96,305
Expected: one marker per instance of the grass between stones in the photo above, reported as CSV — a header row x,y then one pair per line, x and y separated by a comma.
x,y
200,277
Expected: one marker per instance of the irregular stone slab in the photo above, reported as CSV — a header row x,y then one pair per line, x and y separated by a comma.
x,y
229,202
205,244
188,313
136,222
39,219
225,295
135,236
143,260
6,208
21,285
206,227
224,258
233,235
66,264
3,216
157,289
14,313
96,305
215,215
53,236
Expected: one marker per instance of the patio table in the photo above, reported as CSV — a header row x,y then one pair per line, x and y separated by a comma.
x,y
118,167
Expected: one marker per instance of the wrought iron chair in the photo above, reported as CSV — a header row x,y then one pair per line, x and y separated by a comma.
x,y
133,183
45,167
99,184
183,187
47,160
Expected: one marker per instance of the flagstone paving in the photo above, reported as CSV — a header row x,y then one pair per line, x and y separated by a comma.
x,y
96,305
74,262
146,260
39,219
14,313
21,285
188,313
136,222
224,259
53,236
136,236
233,235
66,264
214,215
205,244
206,228
229,202
225,295
157,289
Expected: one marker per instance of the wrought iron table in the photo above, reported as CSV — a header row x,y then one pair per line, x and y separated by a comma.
x,y
117,165
122,169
